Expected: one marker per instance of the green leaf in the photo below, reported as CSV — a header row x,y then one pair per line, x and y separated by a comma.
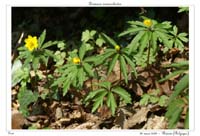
x,y
175,118
180,86
18,73
101,58
49,44
41,38
182,38
49,53
173,105
108,39
175,29
25,98
99,101
88,69
164,38
130,62
144,42
131,30
180,65
173,74
163,100
153,99
81,76
66,86
123,94
183,9
112,103
106,85
91,59
138,23
100,42
186,122
154,41
92,94
135,41
92,33
112,63
123,68
85,36
36,63
82,51
145,99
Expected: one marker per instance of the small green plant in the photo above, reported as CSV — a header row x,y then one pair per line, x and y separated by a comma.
x,y
118,53
106,94
179,99
75,72
154,98
147,36
36,51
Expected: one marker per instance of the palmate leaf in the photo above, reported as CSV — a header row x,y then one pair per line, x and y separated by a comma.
x,y
103,57
25,98
111,102
112,63
92,94
106,85
135,41
123,68
164,37
88,68
81,76
145,99
108,39
99,100
123,94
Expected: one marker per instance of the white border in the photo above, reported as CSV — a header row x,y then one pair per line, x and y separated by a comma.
x,y
6,55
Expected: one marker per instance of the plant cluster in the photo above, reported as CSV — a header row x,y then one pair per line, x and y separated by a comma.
x,y
99,52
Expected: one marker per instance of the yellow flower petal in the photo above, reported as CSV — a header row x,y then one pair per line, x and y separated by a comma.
x,y
117,47
147,22
76,60
31,43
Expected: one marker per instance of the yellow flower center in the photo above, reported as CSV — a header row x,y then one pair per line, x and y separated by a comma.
x,y
147,22
31,43
117,47
76,60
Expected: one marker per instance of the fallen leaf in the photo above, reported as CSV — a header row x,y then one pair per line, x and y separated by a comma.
x,y
156,123
139,117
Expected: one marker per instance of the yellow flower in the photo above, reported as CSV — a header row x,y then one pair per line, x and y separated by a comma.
x,y
147,22
76,60
117,47
31,43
